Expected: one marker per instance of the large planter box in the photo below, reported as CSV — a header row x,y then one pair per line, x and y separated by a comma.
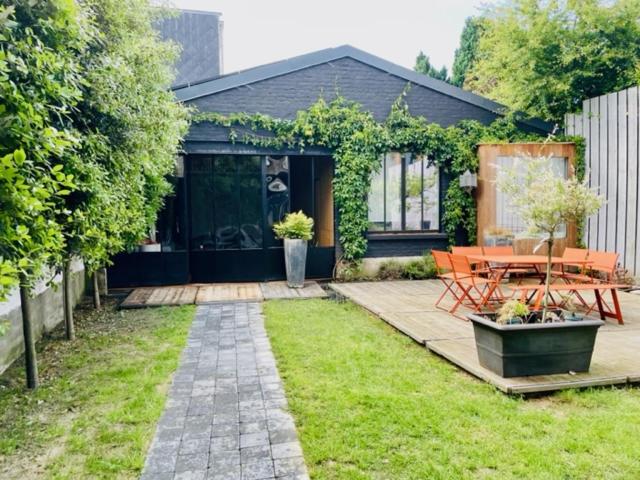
x,y
534,349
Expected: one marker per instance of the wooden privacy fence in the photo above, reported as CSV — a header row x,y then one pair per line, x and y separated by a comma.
x,y
609,124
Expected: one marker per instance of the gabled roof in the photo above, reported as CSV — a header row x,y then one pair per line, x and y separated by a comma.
x,y
283,67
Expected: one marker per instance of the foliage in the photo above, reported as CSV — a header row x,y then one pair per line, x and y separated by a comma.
x,y
358,143
423,65
511,310
40,83
466,53
420,269
545,57
296,225
545,201
131,129
352,271
372,403
390,270
100,398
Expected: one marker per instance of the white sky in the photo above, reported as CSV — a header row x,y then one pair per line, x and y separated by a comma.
x,y
262,31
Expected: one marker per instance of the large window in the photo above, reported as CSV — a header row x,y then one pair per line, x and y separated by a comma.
x,y
404,195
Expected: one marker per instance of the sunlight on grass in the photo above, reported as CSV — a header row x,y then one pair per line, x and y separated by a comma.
x,y
101,397
371,403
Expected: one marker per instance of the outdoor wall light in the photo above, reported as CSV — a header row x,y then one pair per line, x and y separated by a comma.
x,y
468,181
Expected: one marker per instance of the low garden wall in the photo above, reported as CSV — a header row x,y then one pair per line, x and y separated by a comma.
x,y
47,309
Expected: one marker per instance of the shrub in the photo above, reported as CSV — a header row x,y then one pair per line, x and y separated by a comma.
x,y
421,269
296,225
351,272
391,270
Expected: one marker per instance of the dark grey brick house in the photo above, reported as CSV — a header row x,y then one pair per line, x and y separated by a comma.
x,y
217,225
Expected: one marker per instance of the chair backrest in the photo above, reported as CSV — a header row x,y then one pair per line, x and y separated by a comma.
x,y
443,263
575,254
475,250
605,262
499,250
461,266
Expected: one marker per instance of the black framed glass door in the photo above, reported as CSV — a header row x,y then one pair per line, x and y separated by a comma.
x,y
226,239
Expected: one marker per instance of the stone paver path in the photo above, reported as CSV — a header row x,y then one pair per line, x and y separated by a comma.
x,y
225,416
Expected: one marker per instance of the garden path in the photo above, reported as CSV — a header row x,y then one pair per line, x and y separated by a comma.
x,y
225,416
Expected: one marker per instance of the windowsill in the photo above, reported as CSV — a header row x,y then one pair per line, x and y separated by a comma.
x,y
406,236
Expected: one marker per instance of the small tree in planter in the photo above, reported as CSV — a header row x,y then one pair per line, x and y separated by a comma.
x,y
545,202
296,230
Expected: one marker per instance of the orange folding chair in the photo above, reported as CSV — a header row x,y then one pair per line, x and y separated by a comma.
x,y
577,255
473,291
602,264
472,250
445,274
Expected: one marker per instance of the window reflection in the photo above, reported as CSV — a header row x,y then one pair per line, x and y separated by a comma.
x,y
404,195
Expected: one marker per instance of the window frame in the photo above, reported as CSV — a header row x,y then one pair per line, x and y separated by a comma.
x,y
403,199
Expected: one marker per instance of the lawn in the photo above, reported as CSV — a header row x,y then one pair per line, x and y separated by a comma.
x,y
370,403
100,399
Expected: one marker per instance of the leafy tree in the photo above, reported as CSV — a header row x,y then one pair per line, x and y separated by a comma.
x,y
423,65
40,83
466,53
131,129
545,57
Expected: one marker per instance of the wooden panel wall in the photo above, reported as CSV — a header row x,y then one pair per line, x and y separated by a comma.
x,y
324,202
610,125
486,191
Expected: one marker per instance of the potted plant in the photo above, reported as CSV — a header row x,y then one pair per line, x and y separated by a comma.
x,y
512,343
296,230
515,342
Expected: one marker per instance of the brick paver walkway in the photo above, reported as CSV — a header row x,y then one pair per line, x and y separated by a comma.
x,y
225,416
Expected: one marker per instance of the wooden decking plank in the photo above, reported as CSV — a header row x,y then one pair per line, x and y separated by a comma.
x,y
616,357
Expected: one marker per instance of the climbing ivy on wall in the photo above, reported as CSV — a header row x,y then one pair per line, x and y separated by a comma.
x,y
358,143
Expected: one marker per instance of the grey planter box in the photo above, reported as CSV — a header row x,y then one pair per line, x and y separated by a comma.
x,y
534,349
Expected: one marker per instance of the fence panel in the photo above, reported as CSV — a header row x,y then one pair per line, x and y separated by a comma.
x,y
610,125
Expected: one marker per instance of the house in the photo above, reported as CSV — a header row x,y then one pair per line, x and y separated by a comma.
x,y
217,225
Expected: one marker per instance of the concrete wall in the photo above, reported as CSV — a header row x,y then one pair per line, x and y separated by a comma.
x,y
48,312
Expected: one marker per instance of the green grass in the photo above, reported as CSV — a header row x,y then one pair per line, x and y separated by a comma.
x,y
100,399
370,403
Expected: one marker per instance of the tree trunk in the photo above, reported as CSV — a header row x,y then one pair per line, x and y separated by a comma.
x,y
31,362
96,291
547,280
69,327
105,286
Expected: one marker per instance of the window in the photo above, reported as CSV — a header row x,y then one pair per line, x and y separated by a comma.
x,y
404,195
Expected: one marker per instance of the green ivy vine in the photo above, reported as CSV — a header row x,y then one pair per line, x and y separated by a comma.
x,y
358,143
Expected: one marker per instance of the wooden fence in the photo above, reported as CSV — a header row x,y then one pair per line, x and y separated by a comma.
x,y
609,124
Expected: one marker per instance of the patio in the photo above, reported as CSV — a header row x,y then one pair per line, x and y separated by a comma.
x,y
409,307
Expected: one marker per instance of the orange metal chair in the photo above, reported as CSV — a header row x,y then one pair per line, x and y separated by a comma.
x,y
603,264
474,250
445,274
579,256
471,286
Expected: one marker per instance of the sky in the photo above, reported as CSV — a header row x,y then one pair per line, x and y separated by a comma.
x,y
263,31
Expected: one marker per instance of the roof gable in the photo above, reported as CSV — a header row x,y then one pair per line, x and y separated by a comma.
x,y
269,71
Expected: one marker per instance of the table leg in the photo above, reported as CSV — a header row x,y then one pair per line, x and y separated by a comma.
x,y
616,306
599,302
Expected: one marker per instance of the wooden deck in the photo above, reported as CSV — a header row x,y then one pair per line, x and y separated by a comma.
x,y
409,307
218,292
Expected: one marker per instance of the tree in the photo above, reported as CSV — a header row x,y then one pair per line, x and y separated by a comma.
x,y
131,130
423,65
39,86
545,57
546,201
466,53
